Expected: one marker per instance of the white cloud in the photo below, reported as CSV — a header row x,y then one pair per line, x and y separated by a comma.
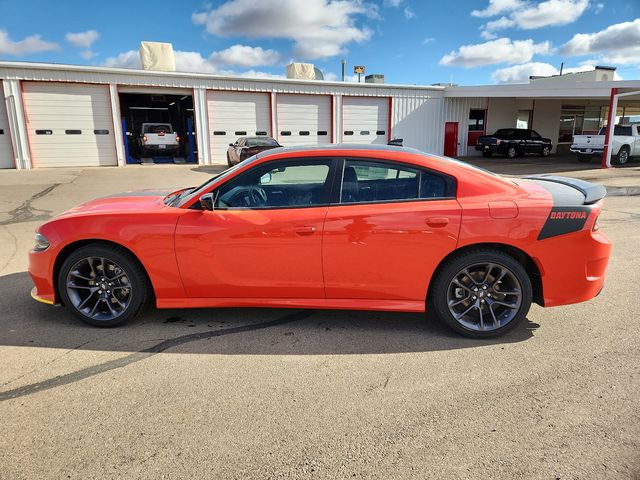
x,y
598,7
501,50
26,46
82,39
87,54
497,7
192,62
392,3
617,44
245,56
408,13
318,28
550,12
521,73
528,15
130,59
427,40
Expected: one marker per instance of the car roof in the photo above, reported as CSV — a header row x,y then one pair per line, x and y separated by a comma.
x,y
341,147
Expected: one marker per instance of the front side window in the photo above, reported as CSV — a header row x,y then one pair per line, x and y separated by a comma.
x,y
280,184
371,181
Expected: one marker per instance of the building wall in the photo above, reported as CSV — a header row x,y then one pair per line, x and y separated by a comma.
x,y
457,110
503,113
416,120
546,119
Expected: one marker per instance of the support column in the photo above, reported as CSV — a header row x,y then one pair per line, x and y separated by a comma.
x,y
117,125
17,124
611,120
202,125
273,112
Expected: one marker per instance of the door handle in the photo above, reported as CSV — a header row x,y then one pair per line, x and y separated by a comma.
x,y
305,230
437,221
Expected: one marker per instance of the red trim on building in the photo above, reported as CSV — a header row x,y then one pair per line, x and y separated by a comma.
x,y
610,118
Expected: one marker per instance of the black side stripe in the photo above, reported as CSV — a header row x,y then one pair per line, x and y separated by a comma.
x,y
563,220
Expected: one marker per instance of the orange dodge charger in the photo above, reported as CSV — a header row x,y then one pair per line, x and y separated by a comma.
x,y
340,227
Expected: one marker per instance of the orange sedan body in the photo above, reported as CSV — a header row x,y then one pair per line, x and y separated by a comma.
x,y
336,227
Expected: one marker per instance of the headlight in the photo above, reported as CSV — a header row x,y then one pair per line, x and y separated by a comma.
x,y
41,243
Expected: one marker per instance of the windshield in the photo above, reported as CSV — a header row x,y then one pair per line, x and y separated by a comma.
x,y
261,142
191,193
157,128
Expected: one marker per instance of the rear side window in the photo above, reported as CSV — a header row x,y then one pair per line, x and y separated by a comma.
x,y
365,181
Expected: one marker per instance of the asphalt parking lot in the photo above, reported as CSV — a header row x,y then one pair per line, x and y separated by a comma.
x,y
241,393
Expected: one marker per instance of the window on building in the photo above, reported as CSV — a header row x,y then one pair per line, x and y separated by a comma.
x,y
524,119
477,120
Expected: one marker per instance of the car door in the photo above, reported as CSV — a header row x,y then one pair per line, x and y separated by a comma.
x,y
263,238
535,142
391,226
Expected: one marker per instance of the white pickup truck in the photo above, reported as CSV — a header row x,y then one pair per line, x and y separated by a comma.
x,y
624,145
158,138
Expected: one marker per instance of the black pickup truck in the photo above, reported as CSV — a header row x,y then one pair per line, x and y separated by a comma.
x,y
513,142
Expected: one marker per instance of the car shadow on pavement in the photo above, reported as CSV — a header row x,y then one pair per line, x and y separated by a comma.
x,y
231,331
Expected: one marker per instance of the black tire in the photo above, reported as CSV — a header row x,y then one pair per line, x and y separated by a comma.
x,y
512,152
546,150
487,154
129,269
623,156
584,158
444,282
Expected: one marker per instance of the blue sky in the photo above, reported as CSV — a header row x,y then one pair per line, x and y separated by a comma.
x,y
413,42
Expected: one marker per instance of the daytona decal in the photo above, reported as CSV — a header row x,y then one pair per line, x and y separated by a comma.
x,y
563,220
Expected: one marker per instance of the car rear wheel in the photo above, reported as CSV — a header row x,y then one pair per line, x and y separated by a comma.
x,y
486,154
512,152
482,293
103,285
545,151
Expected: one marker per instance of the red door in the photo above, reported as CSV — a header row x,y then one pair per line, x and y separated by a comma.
x,y
451,139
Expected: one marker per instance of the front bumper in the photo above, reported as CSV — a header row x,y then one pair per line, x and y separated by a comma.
x,y
41,273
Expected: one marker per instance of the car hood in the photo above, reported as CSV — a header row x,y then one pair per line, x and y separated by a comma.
x,y
137,201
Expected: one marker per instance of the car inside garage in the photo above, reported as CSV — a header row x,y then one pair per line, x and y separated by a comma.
x,y
304,119
158,126
69,124
6,151
365,120
233,115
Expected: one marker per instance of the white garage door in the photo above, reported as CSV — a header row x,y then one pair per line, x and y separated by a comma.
x,y
365,120
233,115
304,119
6,151
69,125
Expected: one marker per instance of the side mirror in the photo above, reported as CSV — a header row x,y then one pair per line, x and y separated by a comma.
x,y
207,201
232,145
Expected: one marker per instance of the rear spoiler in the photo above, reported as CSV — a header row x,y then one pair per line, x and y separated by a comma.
x,y
591,191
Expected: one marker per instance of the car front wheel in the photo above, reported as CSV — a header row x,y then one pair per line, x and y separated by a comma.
x,y
103,285
482,293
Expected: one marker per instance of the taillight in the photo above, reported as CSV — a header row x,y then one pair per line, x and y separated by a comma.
x,y
498,141
177,138
144,139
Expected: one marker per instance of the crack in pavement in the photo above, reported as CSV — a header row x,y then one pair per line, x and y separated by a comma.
x,y
143,354
15,247
26,212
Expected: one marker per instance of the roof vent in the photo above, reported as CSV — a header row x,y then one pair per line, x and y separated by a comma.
x,y
157,56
